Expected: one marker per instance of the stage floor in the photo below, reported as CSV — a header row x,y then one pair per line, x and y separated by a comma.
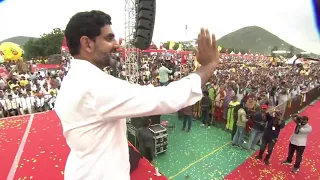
x,y
207,154
33,147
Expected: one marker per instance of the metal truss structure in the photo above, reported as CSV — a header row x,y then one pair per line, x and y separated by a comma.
x,y
131,60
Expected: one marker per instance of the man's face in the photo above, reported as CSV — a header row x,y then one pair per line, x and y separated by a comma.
x,y
101,48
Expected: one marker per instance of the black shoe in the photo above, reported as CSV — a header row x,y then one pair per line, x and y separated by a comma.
x,y
286,163
258,157
182,129
267,162
295,170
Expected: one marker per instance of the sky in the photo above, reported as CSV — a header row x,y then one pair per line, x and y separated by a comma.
x,y
291,20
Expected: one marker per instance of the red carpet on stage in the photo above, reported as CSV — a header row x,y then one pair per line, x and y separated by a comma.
x,y
45,151
11,133
310,167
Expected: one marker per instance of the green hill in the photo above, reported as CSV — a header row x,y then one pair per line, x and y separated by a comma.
x,y
21,40
254,38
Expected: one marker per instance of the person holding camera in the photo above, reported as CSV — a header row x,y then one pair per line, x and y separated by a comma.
x,y
270,135
298,141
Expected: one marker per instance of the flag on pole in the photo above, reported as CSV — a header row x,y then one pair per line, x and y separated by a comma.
x,y
171,44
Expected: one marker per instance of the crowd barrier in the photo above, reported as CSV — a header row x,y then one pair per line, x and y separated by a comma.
x,y
299,102
286,108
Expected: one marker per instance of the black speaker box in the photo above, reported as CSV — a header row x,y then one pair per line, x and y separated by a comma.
x,y
146,14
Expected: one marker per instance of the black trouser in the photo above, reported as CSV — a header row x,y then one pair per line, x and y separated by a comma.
x,y
148,154
206,116
299,150
266,142
233,132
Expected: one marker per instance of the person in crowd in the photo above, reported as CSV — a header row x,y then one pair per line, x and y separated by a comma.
x,y
212,95
164,75
145,140
271,134
229,95
259,123
230,118
206,106
218,110
186,115
241,125
298,142
11,105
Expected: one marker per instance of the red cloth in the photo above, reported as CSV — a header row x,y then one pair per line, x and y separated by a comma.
x,y
45,153
145,170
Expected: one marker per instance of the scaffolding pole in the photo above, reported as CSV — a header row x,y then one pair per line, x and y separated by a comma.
x,y
132,55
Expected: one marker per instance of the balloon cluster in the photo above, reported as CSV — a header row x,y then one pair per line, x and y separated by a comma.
x,y
10,51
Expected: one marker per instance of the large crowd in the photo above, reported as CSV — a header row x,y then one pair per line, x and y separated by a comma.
x,y
26,92
258,81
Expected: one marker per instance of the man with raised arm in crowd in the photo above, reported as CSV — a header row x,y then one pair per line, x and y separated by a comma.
x,y
93,114
270,135
298,142
164,74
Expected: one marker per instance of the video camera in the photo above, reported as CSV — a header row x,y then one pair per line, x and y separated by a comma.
x,y
300,120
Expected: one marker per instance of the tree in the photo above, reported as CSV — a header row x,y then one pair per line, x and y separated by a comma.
x,y
291,53
166,45
176,46
46,45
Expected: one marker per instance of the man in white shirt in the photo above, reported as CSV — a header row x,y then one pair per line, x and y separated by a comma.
x,y
93,114
164,75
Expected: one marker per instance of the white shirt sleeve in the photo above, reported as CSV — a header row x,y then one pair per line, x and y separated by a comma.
x,y
132,100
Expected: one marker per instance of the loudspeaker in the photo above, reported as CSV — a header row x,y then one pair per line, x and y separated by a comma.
x,y
145,19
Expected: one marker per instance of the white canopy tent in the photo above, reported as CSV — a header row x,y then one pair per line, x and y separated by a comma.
x,y
294,59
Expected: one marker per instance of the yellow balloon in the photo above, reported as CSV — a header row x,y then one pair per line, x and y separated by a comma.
x,y
11,51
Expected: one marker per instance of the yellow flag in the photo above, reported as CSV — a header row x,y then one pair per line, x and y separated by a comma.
x,y
180,47
219,48
196,64
171,44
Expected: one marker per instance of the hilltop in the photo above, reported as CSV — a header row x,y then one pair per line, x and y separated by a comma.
x,y
254,38
21,40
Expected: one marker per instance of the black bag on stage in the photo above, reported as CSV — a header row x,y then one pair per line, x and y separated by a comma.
x,y
134,158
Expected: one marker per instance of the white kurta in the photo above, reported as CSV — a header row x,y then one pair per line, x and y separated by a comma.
x,y
92,106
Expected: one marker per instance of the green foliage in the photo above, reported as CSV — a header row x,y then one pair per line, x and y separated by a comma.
x,y
166,45
187,45
291,54
46,45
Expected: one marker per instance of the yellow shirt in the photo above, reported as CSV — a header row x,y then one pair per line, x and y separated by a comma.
x,y
24,82
13,86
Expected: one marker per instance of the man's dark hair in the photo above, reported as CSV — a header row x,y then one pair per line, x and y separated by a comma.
x,y
145,121
84,24
305,118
